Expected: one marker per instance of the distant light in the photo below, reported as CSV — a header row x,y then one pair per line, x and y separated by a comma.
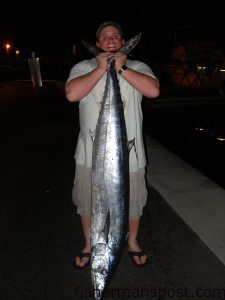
x,y
7,46
17,52
199,128
220,138
201,67
74,49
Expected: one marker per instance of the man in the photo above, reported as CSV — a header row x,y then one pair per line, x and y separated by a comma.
x,y
86,84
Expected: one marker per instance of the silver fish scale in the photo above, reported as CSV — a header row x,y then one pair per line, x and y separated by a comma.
x,y
110,185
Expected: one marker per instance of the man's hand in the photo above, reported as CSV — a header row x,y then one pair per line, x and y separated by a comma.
x,y
103,59
120,60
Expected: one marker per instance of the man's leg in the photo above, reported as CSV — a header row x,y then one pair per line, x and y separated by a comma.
x,y
82,199
138,199
85,222
133,245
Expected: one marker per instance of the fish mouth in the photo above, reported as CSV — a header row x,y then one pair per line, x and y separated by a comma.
x,y
98,287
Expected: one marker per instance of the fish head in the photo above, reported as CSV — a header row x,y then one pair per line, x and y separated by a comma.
x,y
101,269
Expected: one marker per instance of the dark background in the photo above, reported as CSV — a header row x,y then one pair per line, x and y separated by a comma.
x,y
54,27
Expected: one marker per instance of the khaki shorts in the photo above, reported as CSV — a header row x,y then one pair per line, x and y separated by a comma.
x,y
81,193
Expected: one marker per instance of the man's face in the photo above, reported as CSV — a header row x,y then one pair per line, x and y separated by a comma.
x,y
110,39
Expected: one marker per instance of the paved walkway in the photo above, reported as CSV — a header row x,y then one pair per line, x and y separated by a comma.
x,y
40,230
196,199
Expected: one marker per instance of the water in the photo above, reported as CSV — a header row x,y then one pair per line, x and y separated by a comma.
x,y
193,132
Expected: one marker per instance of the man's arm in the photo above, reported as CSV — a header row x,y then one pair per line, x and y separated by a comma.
x,y
145,84
79,87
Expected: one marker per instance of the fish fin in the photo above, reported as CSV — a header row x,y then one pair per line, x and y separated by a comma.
x,y
92,135
132,144
91,47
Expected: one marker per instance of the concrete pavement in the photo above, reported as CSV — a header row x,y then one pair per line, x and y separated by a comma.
x,y
196,199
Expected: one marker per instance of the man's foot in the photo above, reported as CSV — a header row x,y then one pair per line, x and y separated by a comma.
x,y
137,255
139,258
82,260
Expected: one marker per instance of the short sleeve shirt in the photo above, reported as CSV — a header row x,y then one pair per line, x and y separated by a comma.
x,y
90,105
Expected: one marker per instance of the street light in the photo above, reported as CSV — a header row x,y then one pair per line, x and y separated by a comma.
x,y
7,46
17,52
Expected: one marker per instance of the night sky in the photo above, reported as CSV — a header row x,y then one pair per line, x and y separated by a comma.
x,y
57,28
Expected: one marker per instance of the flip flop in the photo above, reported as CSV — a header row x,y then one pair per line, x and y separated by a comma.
x,y
81,256
138,254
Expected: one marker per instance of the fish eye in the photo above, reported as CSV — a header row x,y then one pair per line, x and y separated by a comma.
x,y
104,272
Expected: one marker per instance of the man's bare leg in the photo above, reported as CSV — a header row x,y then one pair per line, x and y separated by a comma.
x,y
132,242
85,222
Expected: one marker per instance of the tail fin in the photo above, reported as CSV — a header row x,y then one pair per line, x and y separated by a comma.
x,y
91,48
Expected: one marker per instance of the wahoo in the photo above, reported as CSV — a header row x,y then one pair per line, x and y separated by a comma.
x,y
110,180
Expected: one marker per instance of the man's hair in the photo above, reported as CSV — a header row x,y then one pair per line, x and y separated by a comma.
x,y
108,23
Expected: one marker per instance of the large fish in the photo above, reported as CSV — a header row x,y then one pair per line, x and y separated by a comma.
x,y
110,181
